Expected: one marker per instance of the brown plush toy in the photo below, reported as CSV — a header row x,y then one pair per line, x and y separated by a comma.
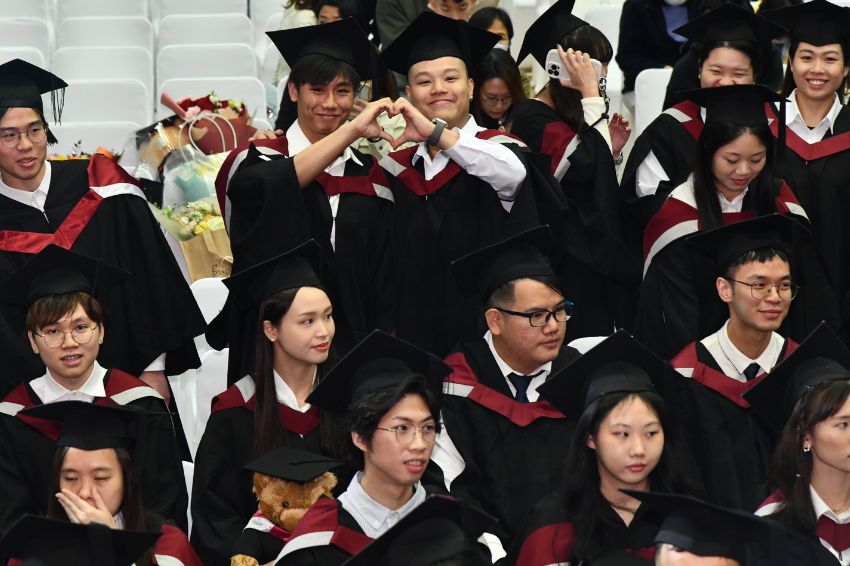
x,y
286,482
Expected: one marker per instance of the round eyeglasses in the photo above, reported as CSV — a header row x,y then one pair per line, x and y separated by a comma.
x,y
54,338
785,290
9,137
406,434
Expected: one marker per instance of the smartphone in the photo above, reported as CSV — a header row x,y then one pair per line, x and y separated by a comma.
x,y
556,70
365,91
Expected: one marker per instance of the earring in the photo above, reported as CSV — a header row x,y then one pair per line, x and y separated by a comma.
x,y
807,448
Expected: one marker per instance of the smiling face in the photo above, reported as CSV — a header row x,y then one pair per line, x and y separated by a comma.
x,y
84,471
322,109
737,163
304,334
725,66
440,88
22,166
745,311
818,70
71,363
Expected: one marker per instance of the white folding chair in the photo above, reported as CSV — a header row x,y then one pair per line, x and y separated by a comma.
x,y
111,135
26,32
162,8
106,100
606,18
29,9
650,88
130,62
28,54
88,8
99,31
262,12
250,90
182,29
211,381
205,60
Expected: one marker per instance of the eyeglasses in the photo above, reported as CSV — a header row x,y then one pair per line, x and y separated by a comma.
x,y
541,317
491,100
406,434
37,133
54,337
760,290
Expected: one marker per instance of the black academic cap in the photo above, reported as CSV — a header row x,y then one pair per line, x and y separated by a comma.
x,y
39,541
548,30
290,270
729,242
292,464
618,364
818,22
431,36
343,40
730,22
378,361
89,426
702,528
521,256
822,356
56,271
22,84
738,104
438,529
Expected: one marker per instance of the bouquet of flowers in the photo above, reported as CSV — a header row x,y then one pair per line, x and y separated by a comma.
x,y
211,115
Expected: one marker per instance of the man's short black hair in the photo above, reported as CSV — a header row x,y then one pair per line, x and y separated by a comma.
x,y
504,295
316,69
760,255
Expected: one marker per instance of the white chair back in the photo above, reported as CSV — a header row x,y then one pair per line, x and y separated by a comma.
x,y
188,476
650,89
250,90
212,380
606,18
210,294
29,9
205,60
28,54
111,135
106,100
30,32
182,29
131,62
162,8
262,12
100,31
88,8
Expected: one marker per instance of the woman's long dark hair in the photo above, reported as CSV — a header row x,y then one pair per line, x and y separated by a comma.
x,y
791,469
586,39
788,84
498,64
268,433
762,190
582,495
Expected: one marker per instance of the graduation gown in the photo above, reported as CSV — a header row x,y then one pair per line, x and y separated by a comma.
x,y
95,208
261,539
789,547
732,447
173,548
222,500
513,453
678,299
268,213
27,446
437,221
549,534
599,273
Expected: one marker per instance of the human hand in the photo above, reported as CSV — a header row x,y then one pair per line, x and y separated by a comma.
x,y
82,512
366,121
620,131
581,71
357,108
417,127
266,135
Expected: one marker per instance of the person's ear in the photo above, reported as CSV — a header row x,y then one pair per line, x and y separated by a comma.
x,y
359,441
269,330
33,345
293,92
724,289
494,321
591,443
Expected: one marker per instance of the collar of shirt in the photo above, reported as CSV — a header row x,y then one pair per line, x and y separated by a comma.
x,y
119,520
536,382
36,198
374,518
50,391
732,361
286,396
821,508
734,205
794,120
433,166
297,142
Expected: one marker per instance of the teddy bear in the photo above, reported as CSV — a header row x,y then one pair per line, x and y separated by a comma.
x,y
281,504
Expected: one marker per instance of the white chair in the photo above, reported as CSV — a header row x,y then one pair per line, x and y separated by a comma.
x,y
99,31
131,62
262,124
29,9
111,135
106,100
184,29
88,8
205,60
210,294
650,88
28,54
262,14
162,8
250,90
606,18
211,381
30,32
586,343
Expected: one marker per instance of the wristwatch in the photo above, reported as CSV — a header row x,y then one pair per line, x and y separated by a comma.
x,y
439,126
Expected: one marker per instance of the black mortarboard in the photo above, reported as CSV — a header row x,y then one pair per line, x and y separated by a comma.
x,y
818,22
438,529
727,243
378,361
22,84
548,30
521,256
56,271
822,356
343,40
89,426
290,270
730,22
292,464
39,541
702,528
618,364
431,36
738,104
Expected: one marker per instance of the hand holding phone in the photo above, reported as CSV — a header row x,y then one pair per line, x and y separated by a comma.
x,y
555,69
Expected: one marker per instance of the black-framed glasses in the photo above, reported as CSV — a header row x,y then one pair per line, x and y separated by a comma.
x,y
81,333
9,137
541,317
786,290
406,433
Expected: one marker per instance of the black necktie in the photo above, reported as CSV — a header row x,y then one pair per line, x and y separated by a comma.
x,y
751,371
521,383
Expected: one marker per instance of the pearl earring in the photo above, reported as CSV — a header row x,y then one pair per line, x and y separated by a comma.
x,y
807,448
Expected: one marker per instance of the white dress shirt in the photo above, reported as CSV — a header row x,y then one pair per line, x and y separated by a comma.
x,y
50,391
821,508
732,361
794,120
36,198
734,205
374,518
536,382
286,396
